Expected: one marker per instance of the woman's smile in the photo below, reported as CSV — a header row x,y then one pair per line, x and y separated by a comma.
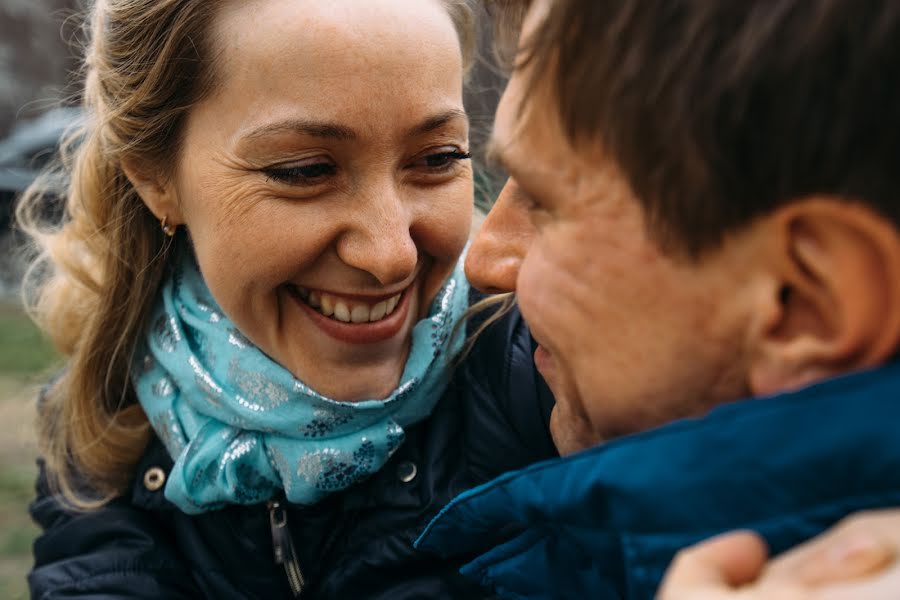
x,y
342,308
355,318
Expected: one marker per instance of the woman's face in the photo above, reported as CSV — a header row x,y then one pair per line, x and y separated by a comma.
x,y
324,182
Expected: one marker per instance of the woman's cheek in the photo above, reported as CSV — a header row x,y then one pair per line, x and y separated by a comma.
x,y
452,221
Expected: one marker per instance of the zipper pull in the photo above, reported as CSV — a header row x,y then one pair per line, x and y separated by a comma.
x,y
284,547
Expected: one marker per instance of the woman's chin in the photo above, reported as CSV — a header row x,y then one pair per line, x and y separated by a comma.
x,y
375,382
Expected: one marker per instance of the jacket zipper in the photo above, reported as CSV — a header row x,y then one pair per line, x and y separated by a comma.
x,y
283,545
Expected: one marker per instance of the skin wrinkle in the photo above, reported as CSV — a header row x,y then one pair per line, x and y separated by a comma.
x,y
236,197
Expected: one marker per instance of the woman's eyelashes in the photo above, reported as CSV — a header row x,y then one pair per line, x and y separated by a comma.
x,y
320,171
443,161
306,174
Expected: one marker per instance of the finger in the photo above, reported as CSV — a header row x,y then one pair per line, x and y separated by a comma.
x,y
855,556
725,561
851,550
883,586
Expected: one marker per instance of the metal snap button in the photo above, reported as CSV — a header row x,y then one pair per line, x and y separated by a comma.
x,y
154,478
406,471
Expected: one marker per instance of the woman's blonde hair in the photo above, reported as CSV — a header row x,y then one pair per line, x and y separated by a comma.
x,y
97,270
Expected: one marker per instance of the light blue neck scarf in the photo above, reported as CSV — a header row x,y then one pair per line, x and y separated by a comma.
x,y
239,426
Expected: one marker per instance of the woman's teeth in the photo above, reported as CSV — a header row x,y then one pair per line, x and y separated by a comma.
x,y
349,312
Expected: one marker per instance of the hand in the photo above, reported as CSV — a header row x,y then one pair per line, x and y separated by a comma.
x,y
856,559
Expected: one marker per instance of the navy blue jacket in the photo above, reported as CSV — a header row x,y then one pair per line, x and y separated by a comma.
x,y
355,544
605,523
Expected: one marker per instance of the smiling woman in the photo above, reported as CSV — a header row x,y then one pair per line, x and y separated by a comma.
x,y
257,284
377,181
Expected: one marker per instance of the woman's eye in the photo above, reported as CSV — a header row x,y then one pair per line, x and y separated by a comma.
x,y
307,174
442,161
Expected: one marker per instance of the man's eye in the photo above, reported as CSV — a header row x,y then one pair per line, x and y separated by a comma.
x,y
306,174
524,199
536,211
442,161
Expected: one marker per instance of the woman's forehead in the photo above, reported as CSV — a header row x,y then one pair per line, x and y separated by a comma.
x,y
340,36
347,62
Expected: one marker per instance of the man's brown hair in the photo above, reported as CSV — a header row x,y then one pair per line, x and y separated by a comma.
x,y
720,111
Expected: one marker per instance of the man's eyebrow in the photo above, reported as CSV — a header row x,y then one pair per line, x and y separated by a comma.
x,y
321,129
436,122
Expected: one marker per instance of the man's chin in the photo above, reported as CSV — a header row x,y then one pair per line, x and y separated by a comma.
x,y
570,433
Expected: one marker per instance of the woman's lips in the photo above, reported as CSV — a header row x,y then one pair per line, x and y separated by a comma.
x,y
358,333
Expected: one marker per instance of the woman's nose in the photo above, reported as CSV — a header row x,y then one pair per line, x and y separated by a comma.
x,y
496,253
380,243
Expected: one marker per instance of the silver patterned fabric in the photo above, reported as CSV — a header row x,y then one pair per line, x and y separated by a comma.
x,y
240,427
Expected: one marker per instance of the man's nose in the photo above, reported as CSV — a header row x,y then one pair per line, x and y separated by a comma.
x,y
496,253
379,241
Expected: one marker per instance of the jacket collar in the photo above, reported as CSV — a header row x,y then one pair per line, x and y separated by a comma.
x,y
787,465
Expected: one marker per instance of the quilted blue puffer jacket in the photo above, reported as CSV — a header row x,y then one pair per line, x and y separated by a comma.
x,y
605,523
355,544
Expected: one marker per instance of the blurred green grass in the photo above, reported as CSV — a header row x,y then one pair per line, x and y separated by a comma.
x,y
23,350
25,359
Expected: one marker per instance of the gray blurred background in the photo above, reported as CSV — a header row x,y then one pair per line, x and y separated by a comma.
x,y
36,63
38,40
34,58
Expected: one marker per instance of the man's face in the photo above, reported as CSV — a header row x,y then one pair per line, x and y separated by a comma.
x,y
629,336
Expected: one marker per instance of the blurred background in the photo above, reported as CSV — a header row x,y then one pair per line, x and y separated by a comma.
x,y
37,59
39,49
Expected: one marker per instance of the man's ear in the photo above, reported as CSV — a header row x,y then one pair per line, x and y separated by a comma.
x,y
833,300
157,193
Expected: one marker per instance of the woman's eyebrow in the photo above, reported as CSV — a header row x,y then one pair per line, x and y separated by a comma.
x,y
336,131
436,122
321,129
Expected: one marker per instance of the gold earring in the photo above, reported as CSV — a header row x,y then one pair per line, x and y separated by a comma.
x,y
167,227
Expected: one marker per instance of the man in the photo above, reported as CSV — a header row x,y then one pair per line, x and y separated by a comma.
x,y
702,208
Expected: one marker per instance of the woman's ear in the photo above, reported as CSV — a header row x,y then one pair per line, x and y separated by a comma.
x,y
157,193
833,305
